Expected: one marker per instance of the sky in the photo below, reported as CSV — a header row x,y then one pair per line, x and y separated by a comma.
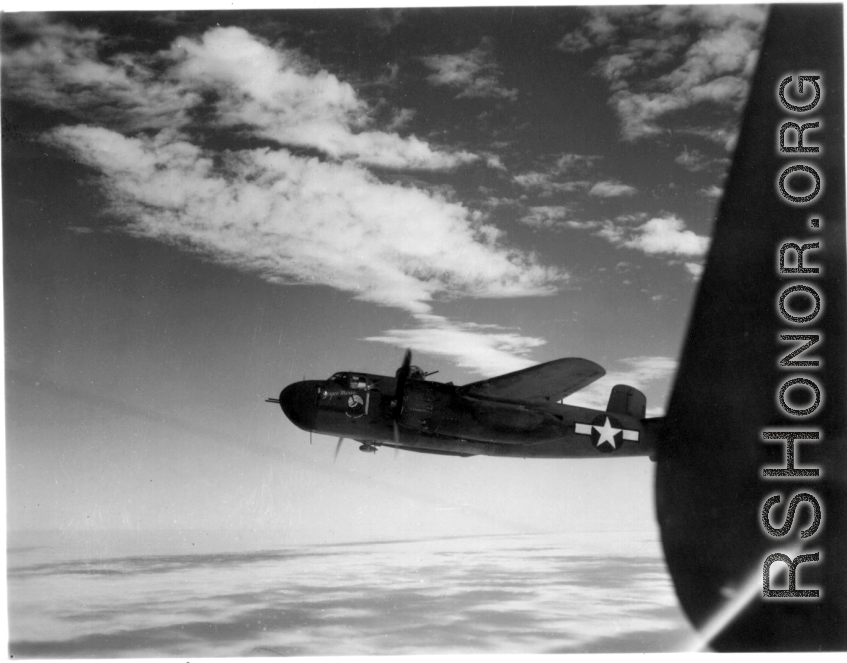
x,y
200,208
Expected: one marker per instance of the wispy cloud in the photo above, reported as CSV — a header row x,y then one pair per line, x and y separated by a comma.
x,y
238,80
547,216
485,349
280,95
58,67
570,173
299,220
663,60
547,182
323,220
694,161
474,73
639,372
611,189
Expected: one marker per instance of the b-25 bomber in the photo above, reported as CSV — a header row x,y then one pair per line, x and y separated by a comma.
x,y
517,415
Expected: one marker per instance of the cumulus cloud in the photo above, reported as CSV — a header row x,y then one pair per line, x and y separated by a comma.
x,y
639,372
475,73
662,60
484,349
293,219
712,191
658,236
611,189
236,79
694,268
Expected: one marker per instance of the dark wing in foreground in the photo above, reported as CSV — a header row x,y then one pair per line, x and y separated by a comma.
x,y
544,383
710,486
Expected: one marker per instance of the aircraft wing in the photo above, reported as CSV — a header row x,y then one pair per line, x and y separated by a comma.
x,y
549,382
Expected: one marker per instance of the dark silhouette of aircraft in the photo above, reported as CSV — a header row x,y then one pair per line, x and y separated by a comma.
x,y
717,469
517,414
723,451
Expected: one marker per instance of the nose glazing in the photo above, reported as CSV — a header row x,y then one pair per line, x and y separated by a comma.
x,y
299,403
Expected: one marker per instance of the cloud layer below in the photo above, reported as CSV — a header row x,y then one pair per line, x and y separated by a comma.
x,y
520,594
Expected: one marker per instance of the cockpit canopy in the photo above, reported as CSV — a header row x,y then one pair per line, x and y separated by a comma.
x,y
351,380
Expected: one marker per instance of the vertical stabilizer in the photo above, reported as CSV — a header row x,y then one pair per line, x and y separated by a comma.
x,y
627,400
742,391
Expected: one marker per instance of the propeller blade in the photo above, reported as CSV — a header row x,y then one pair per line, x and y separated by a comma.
x,y
402,377
337,448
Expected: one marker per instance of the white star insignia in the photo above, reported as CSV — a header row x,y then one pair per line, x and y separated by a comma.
x,y
607,433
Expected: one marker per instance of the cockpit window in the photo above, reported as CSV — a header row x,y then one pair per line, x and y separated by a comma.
x,y
351,381
359,382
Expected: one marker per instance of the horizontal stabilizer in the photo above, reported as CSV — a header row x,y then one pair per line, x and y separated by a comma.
x,y
627,400
549,382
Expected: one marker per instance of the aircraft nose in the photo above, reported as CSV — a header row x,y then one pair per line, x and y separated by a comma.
x,y
299,402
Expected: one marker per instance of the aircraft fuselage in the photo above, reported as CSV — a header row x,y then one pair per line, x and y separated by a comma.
x,y
437,418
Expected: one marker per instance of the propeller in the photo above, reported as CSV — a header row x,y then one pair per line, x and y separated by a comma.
x,y
402,377
337,448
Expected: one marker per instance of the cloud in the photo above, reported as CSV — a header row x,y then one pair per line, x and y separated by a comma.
x,y
293,219
569,162
694,268
280,95
484,349
659,236
725,136
711,192
663,60
551,593
559,177
667,236
544,182
611,189
226,78
554,217
323,220
546,216
695,161
59,68
475,73
386,20
640,372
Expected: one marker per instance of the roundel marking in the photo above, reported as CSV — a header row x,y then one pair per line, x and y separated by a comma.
x,y
606,433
